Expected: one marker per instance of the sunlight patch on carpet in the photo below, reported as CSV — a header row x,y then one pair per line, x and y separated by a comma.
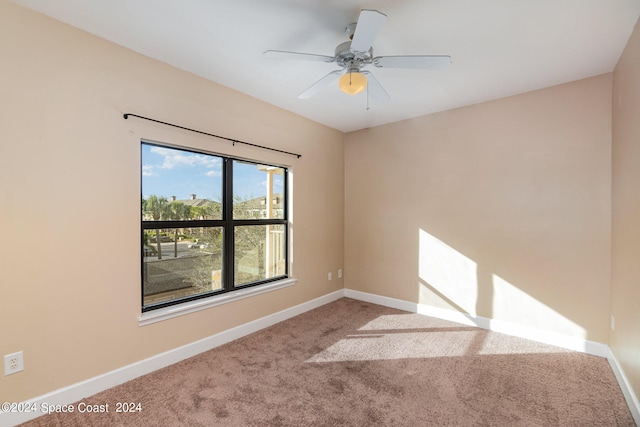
x,y
413,336
394,346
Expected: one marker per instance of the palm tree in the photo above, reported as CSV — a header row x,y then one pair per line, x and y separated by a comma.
x,y
178,211
144,207
158,206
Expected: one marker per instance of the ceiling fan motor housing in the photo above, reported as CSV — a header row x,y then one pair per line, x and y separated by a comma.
x,y
348,58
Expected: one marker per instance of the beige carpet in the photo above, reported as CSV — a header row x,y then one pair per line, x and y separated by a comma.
x,y
351,363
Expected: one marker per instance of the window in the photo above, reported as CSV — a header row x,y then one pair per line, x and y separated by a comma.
x,y
210,224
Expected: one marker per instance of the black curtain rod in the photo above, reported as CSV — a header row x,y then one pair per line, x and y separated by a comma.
x,y
234,141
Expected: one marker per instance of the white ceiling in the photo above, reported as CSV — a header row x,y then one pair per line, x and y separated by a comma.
x,y
498,47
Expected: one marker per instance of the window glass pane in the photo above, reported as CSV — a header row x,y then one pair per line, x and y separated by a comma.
x,y
181,262
183,250
180,185
259,253
258,191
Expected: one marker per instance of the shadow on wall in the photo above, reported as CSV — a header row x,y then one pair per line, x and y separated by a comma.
x,y
448,277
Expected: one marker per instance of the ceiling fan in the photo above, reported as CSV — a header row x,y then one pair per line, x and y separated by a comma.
x,y
356,54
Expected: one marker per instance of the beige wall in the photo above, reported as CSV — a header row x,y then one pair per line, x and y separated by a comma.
x,y
500,209
70,195
625,295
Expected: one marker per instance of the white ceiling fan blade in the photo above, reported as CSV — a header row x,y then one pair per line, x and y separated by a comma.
x,y
368,26
428,62
282,54
320,84
376,91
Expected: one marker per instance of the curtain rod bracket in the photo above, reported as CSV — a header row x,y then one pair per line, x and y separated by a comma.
x,y
233,141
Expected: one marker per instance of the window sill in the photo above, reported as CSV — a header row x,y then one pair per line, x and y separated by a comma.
x,y
161,314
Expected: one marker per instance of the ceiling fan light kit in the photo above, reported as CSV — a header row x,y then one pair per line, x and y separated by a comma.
x,y
352,56
352,83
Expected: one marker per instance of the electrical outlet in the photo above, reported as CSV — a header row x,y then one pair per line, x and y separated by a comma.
x,y
340,273
329,277
13,363
613,322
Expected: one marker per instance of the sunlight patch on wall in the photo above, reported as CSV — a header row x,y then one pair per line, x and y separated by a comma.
x,y
514,305
452,275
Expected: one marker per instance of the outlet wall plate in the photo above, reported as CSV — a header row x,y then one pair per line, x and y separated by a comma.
x,y
13,363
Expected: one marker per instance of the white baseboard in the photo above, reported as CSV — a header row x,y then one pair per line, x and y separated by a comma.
x,y
546,337
83,389
625,385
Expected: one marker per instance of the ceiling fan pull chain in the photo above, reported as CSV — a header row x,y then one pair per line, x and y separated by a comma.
x,y
367,97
